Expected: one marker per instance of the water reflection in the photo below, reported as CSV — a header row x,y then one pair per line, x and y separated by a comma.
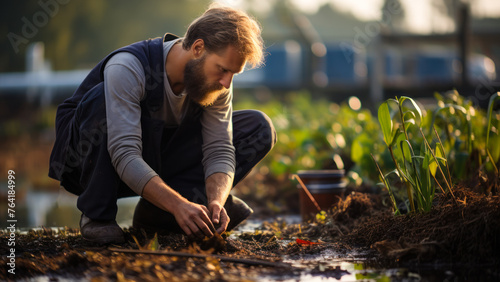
x,y
49,209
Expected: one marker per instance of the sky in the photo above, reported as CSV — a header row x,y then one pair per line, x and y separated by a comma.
x,y
420,16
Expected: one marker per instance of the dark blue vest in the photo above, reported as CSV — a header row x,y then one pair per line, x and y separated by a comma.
x,y
150,54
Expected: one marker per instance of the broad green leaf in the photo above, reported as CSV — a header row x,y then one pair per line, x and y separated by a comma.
x,y
384,118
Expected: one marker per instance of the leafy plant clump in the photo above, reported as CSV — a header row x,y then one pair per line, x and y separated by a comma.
x,y
470,135
415,169
421,166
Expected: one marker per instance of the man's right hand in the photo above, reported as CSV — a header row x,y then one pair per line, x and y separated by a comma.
x,y
194,220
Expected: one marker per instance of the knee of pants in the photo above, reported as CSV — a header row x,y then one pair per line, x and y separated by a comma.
x,y
262,129
268,130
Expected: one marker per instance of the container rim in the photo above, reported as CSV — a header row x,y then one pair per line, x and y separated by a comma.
x,y
325,188
321,173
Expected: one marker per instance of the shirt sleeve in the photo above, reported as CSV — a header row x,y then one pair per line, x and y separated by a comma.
x,y
217,131
124,81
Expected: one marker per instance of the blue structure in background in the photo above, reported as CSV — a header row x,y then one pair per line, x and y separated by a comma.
x,y
343,65
435,67
288,66
284,68
393,64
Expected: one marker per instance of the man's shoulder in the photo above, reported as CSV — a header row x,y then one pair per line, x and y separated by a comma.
x,y
126,59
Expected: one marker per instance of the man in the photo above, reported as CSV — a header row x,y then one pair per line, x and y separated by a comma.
x,y
155,119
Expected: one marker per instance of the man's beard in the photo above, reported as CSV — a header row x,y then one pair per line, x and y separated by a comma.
x,y
195,84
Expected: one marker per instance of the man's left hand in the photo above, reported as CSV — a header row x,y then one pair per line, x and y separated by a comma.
x,y
219,216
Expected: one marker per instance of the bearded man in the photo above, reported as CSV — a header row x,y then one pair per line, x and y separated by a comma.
x,y
155,119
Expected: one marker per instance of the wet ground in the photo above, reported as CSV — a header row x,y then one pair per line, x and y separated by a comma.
x,y
62,255
358,239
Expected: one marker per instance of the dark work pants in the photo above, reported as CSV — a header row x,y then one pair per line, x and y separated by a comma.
x,y
98,185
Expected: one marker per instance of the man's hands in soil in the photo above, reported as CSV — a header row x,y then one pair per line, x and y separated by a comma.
x,y
194,220
219,216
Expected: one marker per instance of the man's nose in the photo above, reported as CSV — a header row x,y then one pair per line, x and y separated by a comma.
x,y
226,80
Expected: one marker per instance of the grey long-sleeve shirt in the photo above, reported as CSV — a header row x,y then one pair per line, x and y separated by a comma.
x,y
124,83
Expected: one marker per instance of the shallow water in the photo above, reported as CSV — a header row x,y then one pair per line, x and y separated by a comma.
x,y
330,265
36,209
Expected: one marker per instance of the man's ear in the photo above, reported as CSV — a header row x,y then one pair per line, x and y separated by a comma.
x,y
198,48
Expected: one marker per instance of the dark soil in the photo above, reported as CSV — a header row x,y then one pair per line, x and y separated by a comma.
x,y
64,253
460,231
463,229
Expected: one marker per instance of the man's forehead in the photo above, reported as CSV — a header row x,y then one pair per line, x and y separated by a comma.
x,y
231,59
233,69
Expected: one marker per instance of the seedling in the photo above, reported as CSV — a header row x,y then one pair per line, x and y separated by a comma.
x,y
416,170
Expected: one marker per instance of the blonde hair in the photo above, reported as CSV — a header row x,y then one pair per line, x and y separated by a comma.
x,y
221,26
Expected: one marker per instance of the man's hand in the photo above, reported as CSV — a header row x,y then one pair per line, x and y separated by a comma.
x,y
218,186
194,220
219,216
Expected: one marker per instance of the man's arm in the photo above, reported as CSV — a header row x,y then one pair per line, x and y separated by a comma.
x,y
192,218
218,186
124,83
218,157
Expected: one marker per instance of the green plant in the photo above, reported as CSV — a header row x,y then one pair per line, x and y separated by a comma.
x,y
416,170
493,147
469,134
459,123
